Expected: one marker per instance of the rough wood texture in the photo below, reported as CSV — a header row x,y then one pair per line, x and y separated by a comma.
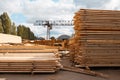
x,y
84,71
16,59
97,38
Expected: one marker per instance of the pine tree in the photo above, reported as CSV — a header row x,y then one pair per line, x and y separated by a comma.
x,y
13,29
25,32
6,23
1,28
20,31
9,28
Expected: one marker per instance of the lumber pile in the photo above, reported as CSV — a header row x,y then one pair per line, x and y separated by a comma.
x,y
43,42
28,59
97,38
26,49
3,79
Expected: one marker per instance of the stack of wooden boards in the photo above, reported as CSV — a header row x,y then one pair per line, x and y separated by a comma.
x,y
43,42
97,38
28,59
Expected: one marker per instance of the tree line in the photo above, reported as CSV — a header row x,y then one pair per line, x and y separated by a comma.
x,y
7,27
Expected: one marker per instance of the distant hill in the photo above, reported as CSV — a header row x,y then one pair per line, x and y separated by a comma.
x,y
63,37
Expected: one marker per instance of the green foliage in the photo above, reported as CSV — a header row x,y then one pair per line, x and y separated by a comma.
x,y
25,32
6,23
1,28
7,27
13,29
32,36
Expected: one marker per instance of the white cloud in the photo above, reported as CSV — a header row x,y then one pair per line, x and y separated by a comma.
x,y
112,5
93,4
98,4
48,9
40,9
57,31
10,6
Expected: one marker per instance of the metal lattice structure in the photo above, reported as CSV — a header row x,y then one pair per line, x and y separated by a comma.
x,y
50,23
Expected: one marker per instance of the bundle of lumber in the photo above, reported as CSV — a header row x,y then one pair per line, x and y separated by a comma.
x,y
26,49
43,42
28,59
97,38
26,46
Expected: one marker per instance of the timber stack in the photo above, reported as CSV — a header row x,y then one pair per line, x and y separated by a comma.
x,y
97,38
29,59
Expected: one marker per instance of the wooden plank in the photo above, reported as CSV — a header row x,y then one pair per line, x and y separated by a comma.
x,y
97,32
96,39
29,62
98,65
84,71
22,47
27,51
3,78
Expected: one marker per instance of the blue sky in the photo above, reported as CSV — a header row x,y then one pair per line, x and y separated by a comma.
x,y
55,0
26,12
18,18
